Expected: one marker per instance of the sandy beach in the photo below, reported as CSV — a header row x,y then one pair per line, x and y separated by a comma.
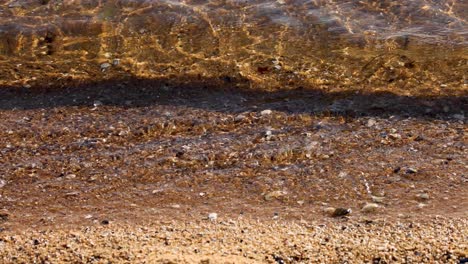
x,y
151,173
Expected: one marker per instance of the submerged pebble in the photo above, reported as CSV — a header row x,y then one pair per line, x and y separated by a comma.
x,y
370,207
337,212
274,195
378,199
423,196
212,216
105,66
371,122
266,112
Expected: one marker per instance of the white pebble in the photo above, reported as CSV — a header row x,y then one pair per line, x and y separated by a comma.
x,y
212,216
371,122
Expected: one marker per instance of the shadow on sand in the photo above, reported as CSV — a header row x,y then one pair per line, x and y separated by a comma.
x,y
228,95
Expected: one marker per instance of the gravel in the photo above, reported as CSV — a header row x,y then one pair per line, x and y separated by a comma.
x,y
245,241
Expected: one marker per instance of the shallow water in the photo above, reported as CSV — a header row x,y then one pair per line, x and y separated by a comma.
x,y
411,48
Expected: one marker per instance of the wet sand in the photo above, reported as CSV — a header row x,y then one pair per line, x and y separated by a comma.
x,y
184,132
130,171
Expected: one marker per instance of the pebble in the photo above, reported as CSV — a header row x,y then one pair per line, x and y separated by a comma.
x,y
165,88
212,216
266,112
239,118
394,136
370,207
274,195
70,176
2,183
4,216
411,170
371,122
423,196
105,66
116,62
337,212
342,174
378,199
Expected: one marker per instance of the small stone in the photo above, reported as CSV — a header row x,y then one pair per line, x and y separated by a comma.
x,y
105,66
300,202
342,174
116,62
70,176
165,88
175,206
370,207
2,183
239,118
421,205
371,122
274,195
266,112
378,199
97,103
4,216
212,216
69,194
88,216
394,136
423,196
439,161
337,212
411,170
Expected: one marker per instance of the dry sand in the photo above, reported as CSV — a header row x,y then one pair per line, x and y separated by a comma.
x,y
245,241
